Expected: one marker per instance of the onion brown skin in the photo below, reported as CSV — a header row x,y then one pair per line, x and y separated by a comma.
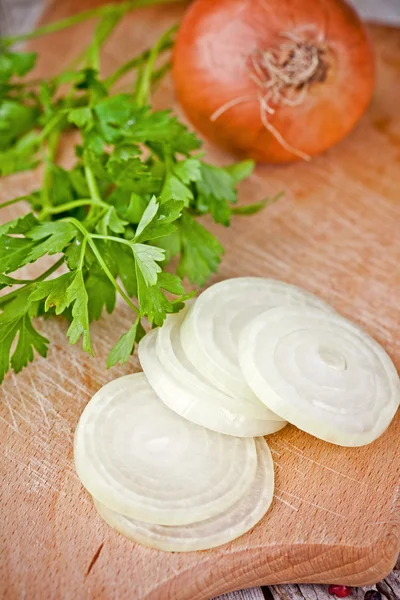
x,y
211,68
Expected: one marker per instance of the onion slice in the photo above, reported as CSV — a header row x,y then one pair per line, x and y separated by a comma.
x,y
210,333
199,402
139,458
173,357
322,373
223,528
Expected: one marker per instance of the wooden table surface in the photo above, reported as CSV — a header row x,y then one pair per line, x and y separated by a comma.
x,y
335,233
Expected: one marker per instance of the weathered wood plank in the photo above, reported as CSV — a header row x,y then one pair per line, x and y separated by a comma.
x,y
249,594
389,588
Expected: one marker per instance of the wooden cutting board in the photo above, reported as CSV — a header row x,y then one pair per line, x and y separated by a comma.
x,y
336,513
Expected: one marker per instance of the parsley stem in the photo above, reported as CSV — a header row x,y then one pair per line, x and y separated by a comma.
x,y
142,94
56,210
110,275
125,68
54,27
91,221
123,7
11,202
77,224
49,127
44,192
92,184
54,139
7,297
133,64
50,271
111,238
18,281
104,29
11,295
168,168
83,250
159,73
100,260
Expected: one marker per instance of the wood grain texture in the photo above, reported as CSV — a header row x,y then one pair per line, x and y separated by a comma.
x,y
336,514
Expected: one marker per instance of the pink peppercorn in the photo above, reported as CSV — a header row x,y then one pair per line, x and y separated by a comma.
x,y
340,591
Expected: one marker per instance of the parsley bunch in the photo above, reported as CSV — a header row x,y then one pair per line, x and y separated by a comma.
x,y
130,203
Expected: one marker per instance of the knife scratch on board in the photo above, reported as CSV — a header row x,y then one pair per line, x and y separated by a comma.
x,y
58,385
14,425
304,457
34,416
285,502
39,397
273,451
311,503
292,445
396,498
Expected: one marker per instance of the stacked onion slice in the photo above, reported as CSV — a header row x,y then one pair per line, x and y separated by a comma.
x,y
183,389
164,481
211,332
174,457
229,524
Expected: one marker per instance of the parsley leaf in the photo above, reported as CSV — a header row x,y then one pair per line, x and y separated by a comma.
x,y
28,340
241,170
14,253
61,189
77,295
148,215
88,79
216,190
163,225
101,294
8,331
153,303
188,170
252,209
174,189
16,119
52,238
131,174
216,182
126,268
81,117
54,291
16,323
16,63
162,127
129,204
19,225
171,244
171,283
111,221
146,258
21,156
201,252
124,347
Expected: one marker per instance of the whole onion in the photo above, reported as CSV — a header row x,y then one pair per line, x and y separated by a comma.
x,y
273,80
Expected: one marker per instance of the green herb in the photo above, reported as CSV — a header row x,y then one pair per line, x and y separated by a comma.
x,y
129,204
